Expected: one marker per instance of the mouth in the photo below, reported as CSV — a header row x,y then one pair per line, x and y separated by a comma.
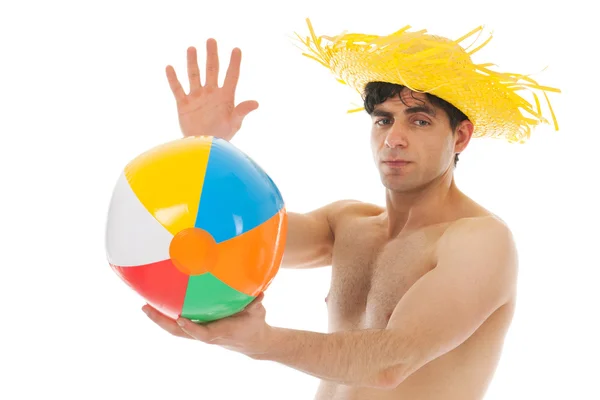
x,y
396,163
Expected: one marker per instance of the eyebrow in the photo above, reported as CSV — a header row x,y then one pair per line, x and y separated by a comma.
x,y
409,110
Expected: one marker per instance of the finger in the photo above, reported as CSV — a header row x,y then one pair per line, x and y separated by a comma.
x,y
196,331
164,322
245,108
212,63
233,71
174,84
253,305
214,332
257,300
192,68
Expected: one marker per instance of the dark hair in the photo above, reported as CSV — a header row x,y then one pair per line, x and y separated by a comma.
x,y
377,92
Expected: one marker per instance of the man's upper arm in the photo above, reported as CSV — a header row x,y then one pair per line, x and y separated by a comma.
x,y
309,241
475,275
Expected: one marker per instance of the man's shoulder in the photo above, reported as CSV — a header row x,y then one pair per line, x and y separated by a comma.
x,y
486,240
350,210
488,227
483,248
354,208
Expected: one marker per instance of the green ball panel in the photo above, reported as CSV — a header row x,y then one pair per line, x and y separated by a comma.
x,y
208,299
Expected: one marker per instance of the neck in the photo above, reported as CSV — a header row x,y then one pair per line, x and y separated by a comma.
x,y
424,206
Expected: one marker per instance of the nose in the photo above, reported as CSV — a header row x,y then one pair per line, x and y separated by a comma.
x,y
396,137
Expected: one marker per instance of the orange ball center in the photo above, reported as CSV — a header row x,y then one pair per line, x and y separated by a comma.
x,y
193,251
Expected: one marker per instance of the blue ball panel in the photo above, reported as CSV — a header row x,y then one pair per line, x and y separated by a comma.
x,y
237,194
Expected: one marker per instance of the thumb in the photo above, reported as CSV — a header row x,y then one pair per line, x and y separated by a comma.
x,y
245,108
256,302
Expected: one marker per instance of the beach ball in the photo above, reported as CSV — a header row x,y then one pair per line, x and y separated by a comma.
x,y
196,228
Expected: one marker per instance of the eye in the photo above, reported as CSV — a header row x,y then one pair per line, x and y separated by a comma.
x,y
383,121
422,122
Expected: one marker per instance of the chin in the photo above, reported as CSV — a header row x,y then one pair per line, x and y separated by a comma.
x,y
397,184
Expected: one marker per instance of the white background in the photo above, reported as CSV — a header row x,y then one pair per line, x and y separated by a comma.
x,y
83,91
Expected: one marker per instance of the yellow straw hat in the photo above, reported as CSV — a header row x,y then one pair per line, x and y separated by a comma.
x,y
436,65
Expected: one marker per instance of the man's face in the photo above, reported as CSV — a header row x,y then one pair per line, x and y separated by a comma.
x,y
412,141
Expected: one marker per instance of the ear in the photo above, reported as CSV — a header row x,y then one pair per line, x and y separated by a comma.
x,y
462,136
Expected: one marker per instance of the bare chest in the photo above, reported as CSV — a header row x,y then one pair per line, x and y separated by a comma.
x,y
370,275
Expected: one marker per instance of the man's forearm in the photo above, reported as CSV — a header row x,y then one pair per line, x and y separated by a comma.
x,y
355,358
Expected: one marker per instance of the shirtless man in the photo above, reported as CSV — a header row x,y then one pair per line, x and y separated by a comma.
x,y
423,290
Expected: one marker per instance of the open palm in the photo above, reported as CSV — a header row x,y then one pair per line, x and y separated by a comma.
x,y
210,109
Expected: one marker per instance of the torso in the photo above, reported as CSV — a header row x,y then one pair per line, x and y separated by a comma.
x,y
370,274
